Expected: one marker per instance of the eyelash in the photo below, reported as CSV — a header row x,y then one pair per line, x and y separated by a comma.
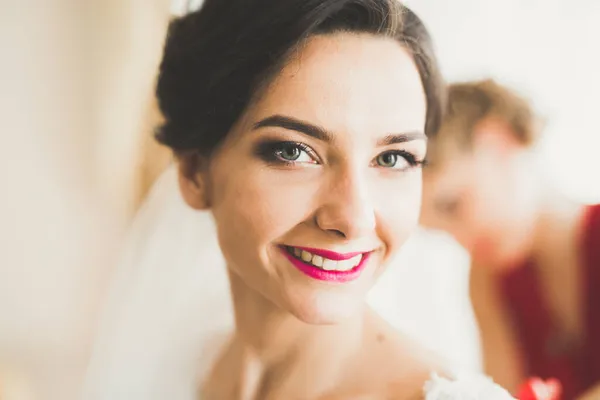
x,y
268,151
409,157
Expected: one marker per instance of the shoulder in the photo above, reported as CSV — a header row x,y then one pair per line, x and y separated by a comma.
x,y
594,211
591,226
403,365
590,232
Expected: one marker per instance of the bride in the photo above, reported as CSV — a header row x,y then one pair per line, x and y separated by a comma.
x,y
302,129
302,126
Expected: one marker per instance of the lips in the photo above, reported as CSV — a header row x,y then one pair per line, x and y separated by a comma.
x,y
326,265
332,255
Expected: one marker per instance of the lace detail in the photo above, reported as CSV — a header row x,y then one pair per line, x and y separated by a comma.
x,y
464,387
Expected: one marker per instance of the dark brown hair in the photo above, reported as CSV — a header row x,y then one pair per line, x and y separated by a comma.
x,y
216,59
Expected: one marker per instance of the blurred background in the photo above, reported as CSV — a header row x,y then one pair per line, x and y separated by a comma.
x,y
78,159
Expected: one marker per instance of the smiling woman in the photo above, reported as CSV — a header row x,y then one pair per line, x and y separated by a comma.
x,y
309,161
302,132
326,176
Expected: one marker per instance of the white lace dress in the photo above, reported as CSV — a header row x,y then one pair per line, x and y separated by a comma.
x,y
464,387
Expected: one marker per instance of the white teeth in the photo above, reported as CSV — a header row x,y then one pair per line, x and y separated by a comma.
x,y
345,265
317,261
329,265
325,263
306,256
355,260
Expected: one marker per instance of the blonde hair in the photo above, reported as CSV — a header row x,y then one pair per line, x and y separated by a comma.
x,y
471,102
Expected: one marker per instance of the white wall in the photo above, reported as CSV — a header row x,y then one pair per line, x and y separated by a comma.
x,y
550,51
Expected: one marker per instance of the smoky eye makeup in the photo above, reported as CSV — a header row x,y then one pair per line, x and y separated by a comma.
x,y
281,152
284,152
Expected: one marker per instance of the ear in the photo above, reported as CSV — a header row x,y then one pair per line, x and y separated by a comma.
x,y
194,180
495,136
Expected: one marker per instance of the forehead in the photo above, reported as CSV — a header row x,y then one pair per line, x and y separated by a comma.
x,y
349,82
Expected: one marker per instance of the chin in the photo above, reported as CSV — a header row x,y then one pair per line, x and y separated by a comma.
x,y
326,308
506,260
515,259
516,248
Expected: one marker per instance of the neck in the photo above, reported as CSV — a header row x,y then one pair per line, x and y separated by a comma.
x,y
269,339
558,224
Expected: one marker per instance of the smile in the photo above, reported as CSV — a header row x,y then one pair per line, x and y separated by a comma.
x,y
326,265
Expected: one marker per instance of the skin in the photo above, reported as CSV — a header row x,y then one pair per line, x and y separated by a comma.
x,y
491,198
297,337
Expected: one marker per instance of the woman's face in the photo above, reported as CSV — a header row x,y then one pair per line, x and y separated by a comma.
x,y
319,183
484,197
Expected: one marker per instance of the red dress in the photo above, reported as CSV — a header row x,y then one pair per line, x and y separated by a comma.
x,y
577,367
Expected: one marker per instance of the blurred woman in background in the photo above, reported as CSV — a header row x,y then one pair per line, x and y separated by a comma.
x,y
535,277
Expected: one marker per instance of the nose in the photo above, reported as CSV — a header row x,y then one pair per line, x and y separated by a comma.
x,y
346,210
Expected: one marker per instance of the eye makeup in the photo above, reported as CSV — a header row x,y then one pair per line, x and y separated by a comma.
x,y
288,153
281,152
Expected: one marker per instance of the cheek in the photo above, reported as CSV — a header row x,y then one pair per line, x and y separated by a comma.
x,y
256,206
398,207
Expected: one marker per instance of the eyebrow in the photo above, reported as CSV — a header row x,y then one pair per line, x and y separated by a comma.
x,y
322,134
297,125
402,138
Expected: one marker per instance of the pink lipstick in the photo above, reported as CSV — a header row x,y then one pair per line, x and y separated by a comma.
x,y
326,256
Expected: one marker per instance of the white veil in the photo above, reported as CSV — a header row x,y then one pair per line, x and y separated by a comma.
x,y
169,309
169,297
